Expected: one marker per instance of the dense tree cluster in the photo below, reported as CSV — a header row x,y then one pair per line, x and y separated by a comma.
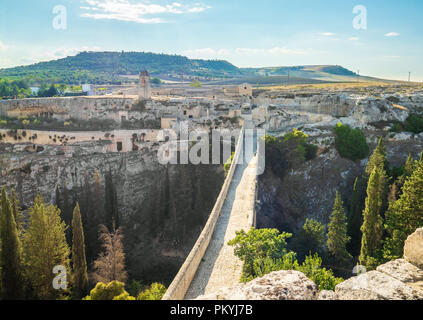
x,y
31,249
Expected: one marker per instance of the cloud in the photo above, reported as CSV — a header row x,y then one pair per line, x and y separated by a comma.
x,y
392,34
3,47
24,55
327,34
354,39
209,53
140,12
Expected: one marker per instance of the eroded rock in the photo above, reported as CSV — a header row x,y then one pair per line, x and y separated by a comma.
x,y
375,285
413,249
279,285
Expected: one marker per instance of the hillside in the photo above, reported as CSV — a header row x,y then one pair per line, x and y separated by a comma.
x,y
112,67
118,67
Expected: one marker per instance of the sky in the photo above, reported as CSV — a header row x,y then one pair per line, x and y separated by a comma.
x,y
378,38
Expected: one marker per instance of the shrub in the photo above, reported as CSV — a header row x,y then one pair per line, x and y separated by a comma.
x,y
350,143
114,290
311,267
256,245
155,292
414,124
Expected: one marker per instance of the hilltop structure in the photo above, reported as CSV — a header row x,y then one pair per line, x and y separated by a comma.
x,y
144,90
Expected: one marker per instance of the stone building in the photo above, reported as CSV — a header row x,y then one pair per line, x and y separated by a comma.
x,y
144,90
244,89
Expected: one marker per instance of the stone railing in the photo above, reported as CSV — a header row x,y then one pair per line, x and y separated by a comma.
x,y
181,283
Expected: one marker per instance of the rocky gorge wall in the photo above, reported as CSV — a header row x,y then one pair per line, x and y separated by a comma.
x,y
162,209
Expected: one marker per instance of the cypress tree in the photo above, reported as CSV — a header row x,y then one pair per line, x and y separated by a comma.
x,y
337,237
79,263
372,228
378,158
355,219
11,268
405,215
17,212
45,247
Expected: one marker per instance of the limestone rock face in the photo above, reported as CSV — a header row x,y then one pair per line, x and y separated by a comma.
x,y
279,285
402,270
375,285
413,249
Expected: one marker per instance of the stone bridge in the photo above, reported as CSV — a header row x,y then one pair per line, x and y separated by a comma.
x,y
211,263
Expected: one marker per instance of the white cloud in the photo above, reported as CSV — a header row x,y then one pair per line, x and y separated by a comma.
x,y
327,34
209,53
392,34
140,12
24,55
354,39
3,47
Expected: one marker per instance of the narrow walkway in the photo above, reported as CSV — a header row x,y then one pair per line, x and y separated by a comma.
x,y
220,268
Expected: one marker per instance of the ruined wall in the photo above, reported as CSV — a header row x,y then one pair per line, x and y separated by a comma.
x,y
76,107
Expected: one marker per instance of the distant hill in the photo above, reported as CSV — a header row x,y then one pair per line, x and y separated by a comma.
x,y
118,67
112,67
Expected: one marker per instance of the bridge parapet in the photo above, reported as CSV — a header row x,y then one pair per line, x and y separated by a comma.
x,y
181,283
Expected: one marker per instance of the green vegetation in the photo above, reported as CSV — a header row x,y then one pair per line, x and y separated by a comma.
x,y
113,290
372,228
196,84
265,250
114,68
228,163
287,152
405,215
355,218
11,252
46,230
309,240
155,292
11,89
414,124
350,143
79,262
29,253
337,237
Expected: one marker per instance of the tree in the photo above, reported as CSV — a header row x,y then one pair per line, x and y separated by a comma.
x,y
45,247
110,265
17,212
355,218
155,292
309,240
79,263
350,143
378,158
372,227
256,245
405,215
11,251
113,290
337,237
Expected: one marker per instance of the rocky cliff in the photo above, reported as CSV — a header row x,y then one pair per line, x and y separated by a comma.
x,y
161,208
401,279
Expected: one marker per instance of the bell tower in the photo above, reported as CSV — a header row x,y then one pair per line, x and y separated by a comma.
x,y
144,89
